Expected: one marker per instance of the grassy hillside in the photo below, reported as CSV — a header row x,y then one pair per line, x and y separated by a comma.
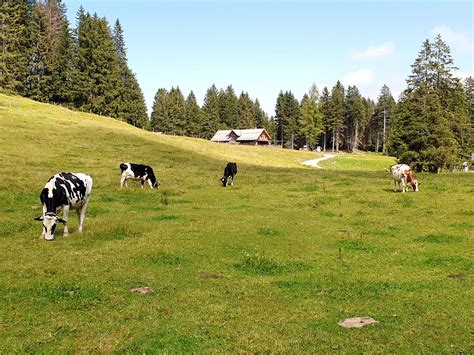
x,y
271,264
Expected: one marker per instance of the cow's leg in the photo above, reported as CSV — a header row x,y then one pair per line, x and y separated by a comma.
x,y
123,181
143,183
231,180
65,217
395,183
404,184
81,214
149,183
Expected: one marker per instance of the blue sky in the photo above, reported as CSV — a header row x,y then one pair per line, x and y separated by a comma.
x,y
262,47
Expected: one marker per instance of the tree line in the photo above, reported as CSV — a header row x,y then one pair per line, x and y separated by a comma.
x,y
221,109
84,68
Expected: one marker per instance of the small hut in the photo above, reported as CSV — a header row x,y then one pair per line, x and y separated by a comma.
x,y
258,136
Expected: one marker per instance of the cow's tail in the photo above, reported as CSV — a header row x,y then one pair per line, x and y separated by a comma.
x,y
123,167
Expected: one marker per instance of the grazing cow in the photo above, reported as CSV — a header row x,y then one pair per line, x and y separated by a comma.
x,y
402,174
229,173
138,172
64,191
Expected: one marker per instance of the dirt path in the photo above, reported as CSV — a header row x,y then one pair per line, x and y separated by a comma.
x,y
315,162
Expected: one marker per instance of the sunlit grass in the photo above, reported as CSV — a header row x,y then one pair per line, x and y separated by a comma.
x,y
271,264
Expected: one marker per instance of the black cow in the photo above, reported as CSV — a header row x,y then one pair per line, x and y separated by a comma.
x,y
64,190
138,172
229,173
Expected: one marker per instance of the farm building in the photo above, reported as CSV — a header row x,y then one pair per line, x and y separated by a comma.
x,y
257,136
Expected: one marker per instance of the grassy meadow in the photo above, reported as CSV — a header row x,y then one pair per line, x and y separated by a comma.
x,y
270,264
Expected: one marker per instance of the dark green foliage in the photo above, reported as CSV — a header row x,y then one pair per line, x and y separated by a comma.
x,y
193,116
229,108
159,115
287,112
86,69
336,115
97,86
430,129
16,39
211,113
311,118
245,112
354,118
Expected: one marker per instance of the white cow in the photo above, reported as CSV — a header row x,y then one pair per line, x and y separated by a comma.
x,y
402,175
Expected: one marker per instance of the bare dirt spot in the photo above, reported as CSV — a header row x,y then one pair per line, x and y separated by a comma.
x,y
142,290
207,275
357,322
456,276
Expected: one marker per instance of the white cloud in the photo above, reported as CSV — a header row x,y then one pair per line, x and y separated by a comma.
x,y
457,39
374,52
359,77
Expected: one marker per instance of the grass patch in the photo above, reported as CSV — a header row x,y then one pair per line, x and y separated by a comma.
x,y
323,245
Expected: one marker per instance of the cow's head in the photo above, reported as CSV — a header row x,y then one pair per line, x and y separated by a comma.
x,y
415,184
224,181
50,220
156,184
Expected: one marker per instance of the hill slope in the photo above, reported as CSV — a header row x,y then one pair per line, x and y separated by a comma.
x,y
270,264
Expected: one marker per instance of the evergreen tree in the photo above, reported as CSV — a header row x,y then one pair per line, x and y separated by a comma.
x,y
211,110
384,110
176,112
287,112
430,129
98,85
311,118
193,116
354,116
16,17
260,117
159,118
229,109
246,112
325,108
131,106
336,116
39,72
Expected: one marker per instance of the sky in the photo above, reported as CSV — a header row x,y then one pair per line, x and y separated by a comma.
x,y
267,46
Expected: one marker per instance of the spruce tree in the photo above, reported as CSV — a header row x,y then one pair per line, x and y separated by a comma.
x,y
229,108
287,112
246,112
311,119
430,128
354,116
16,17
211,113
325,107
193,116
159,118
337,115
98,84
260,117
176,112
131,106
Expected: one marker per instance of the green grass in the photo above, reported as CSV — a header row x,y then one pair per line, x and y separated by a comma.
x,y
271,264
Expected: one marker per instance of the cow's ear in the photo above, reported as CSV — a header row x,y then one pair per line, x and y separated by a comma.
x,y
60,220
39,218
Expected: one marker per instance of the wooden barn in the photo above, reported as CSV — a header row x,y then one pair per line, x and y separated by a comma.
x,y
258,136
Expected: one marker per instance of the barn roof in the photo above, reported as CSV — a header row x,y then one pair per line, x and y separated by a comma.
x,y
221,136
243,134
248,134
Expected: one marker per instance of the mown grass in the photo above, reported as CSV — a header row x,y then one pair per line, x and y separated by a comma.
x,y
271,264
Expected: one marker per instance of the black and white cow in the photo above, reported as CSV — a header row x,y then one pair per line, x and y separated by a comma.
x,y
138,172
64,191
229,173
